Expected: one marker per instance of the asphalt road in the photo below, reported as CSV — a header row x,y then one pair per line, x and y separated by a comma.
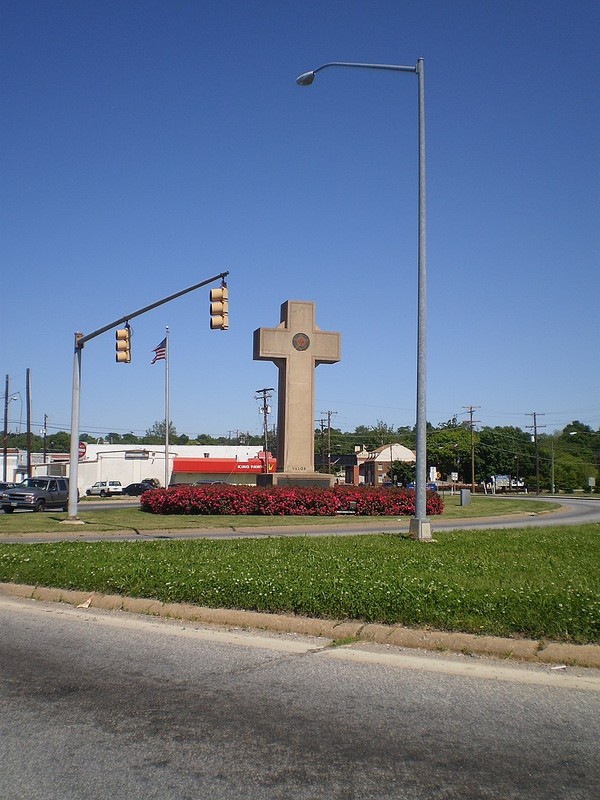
x,y
576,511
108,706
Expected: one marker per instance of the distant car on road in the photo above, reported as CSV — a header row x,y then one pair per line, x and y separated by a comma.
x,y
135,489
105,489
6,485
431,487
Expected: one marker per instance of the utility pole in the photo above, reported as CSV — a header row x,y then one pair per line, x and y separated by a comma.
x,y
329,415
28,413
264,395
471,411
45,436
321,423
5,435
534,427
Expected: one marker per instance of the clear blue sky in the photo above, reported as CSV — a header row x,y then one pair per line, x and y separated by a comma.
x,y
147,145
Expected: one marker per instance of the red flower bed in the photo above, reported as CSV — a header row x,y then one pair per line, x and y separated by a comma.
x,y
286,501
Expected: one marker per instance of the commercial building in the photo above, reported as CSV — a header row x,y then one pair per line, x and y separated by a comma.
x,y
195,464
134,463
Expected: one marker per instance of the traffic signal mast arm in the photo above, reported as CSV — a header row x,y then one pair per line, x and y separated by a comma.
x,y
80,339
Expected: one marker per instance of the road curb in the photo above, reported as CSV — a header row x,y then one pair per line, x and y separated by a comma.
x,y
334,630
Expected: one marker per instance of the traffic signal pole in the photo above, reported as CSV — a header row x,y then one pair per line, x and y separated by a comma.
x,y
80,340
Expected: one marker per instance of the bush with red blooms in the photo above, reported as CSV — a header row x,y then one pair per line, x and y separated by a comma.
x,y
282,501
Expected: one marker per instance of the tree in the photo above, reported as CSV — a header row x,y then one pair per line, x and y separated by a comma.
x,y
449,449
402,472
204,438
373,436
19,440
156,434
59,442
504,451
574,452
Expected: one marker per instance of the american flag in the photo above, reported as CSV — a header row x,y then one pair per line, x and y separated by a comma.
x,y
160,351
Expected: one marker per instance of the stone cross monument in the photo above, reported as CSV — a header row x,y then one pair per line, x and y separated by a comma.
x,y
296,346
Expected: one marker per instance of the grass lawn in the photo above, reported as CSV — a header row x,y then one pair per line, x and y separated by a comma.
x,y
542,583
111,519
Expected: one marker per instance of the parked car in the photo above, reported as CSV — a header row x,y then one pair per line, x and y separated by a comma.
x,y
36,494
105,489
431,487
135,489
6,485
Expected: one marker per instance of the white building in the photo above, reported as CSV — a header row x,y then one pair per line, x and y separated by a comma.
x,y
134,463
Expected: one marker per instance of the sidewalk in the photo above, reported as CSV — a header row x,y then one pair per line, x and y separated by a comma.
x,y
396,635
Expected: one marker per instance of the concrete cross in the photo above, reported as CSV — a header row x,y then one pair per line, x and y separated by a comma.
x,y
296,346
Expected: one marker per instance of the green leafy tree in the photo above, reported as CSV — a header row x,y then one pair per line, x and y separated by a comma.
x,y
571,473
402,472
19,440
373,436
449,449
59,442
504,451
156,434
204,438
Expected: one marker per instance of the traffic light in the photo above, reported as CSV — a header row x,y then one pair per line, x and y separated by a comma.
x,y
219,309
123,345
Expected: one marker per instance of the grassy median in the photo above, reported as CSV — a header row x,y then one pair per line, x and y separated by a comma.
x,y
111,519
542,583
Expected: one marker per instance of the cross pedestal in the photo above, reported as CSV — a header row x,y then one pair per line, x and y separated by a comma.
x,y
296,346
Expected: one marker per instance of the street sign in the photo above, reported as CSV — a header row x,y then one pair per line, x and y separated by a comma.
x,y
82,450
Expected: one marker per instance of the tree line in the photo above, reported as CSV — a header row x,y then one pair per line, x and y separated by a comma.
x,y
571,455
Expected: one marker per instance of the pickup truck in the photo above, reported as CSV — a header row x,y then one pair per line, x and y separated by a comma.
x,y
36,494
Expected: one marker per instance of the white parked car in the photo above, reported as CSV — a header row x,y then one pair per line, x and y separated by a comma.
x,y
105,489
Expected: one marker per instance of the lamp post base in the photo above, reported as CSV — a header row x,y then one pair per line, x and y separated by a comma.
x,y
420,530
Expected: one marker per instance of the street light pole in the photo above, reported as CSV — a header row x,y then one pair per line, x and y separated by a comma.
x,y
420,527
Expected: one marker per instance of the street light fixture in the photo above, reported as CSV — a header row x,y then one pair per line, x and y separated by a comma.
x,y
420,527
17,396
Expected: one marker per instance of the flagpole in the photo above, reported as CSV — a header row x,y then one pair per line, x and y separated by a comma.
x,y
167,408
